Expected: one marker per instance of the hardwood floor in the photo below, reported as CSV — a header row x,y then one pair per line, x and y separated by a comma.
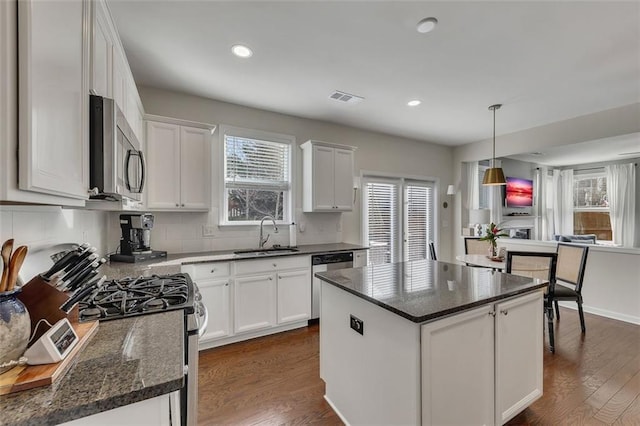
x,y
591,380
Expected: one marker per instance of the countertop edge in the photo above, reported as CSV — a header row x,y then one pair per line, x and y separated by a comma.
x,y
435,315
82,411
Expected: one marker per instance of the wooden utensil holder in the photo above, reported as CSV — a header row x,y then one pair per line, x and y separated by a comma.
x,y
43,301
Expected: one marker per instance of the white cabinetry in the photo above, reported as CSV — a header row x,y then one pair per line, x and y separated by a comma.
x,y
327,177
159,411
252,298
255,304
359,258
53,97
101,52
294,295
178,162
215,283
490,358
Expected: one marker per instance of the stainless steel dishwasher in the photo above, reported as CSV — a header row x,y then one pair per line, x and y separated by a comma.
x,y
321,263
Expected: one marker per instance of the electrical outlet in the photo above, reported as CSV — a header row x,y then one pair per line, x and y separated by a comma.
x,y
208,230
357,324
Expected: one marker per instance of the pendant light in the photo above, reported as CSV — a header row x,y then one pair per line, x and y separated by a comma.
x,y
494,175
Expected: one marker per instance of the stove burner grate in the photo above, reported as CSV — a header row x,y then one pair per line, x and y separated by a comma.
x,y
137,296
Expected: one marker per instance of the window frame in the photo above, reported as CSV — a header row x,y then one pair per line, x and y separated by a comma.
x,y
584,176
288,194
577,175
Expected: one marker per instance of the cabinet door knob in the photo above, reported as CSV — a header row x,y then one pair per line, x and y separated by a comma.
x,y
177,205
226,284
504,312
492,313
182,205
270,278
213,270
279,277
275,265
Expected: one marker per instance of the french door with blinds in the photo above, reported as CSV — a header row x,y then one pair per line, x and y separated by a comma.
x,y
398,218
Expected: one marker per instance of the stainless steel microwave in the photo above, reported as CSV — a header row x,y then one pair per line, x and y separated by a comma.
x,y
116,162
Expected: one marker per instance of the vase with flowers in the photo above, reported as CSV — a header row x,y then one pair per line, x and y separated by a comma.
x,y
492,234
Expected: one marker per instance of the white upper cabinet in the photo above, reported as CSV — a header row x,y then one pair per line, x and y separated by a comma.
x,y
54,97
178,163
101,52
327,177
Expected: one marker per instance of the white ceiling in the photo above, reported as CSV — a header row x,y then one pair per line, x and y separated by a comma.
x,y
546,61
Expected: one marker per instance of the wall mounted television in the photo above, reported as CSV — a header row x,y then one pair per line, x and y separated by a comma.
x,y
519,192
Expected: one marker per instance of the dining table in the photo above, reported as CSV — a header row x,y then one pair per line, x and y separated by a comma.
x,y
482,261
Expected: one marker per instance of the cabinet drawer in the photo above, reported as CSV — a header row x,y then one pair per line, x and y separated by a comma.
x,y
274,263
207,270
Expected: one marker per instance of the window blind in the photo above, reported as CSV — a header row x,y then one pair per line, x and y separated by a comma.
x,y
382,221
253,163
418,221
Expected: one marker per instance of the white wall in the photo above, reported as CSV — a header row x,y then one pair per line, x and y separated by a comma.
x,y
375,152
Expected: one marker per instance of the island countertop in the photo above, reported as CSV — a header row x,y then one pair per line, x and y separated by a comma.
x,y
127,360
425,290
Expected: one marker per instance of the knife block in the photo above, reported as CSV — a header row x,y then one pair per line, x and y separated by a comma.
x,y
44,301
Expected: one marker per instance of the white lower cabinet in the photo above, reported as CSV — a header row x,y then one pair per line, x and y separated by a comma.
x,y
252,298
294,295
216,297
255,302
483,366
158,411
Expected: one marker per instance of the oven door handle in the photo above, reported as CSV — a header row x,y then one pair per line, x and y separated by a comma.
x,y
202,326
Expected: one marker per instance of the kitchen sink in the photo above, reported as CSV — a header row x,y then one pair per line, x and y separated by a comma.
x,y
262,252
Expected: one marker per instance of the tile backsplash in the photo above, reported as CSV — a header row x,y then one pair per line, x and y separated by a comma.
x,y
43,225
178,232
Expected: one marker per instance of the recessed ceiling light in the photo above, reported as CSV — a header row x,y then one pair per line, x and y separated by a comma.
x,y
414,102
241,51
426,25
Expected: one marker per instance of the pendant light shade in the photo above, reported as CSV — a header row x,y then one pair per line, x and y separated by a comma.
x,y
494,175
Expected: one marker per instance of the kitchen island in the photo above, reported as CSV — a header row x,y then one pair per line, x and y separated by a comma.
x,y
134,363
430,342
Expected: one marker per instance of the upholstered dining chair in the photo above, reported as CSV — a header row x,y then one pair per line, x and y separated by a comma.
x,y
432,251
474,245
571,264
536,265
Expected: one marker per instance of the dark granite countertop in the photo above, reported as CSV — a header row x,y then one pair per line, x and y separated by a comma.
x,y
171,264
425,290
128,360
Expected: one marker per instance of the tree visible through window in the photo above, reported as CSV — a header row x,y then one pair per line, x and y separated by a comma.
x,y
591,206
256,179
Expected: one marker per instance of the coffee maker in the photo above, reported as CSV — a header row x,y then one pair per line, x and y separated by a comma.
x,y
135,242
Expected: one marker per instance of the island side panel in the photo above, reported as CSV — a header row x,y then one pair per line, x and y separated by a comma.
x,y
372,378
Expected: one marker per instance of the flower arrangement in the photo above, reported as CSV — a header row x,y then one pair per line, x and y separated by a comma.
x,y
492,234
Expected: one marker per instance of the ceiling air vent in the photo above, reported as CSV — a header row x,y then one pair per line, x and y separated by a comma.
x,y
345,97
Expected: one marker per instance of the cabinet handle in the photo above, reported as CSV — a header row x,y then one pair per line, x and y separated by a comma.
x,y
275,265
504,312
492,313
213,270
226,284
270,278
279,277
177,205
182,205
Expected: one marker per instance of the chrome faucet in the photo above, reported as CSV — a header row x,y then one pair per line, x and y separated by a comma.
x,y
263,240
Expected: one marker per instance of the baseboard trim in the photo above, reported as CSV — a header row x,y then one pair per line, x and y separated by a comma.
x,y
214,343
602,312
333,407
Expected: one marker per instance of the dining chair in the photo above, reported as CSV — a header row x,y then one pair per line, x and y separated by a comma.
x,y
570,268
474,245
541,265
432,251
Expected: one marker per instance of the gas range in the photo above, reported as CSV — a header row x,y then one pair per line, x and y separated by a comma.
x,y
142,295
